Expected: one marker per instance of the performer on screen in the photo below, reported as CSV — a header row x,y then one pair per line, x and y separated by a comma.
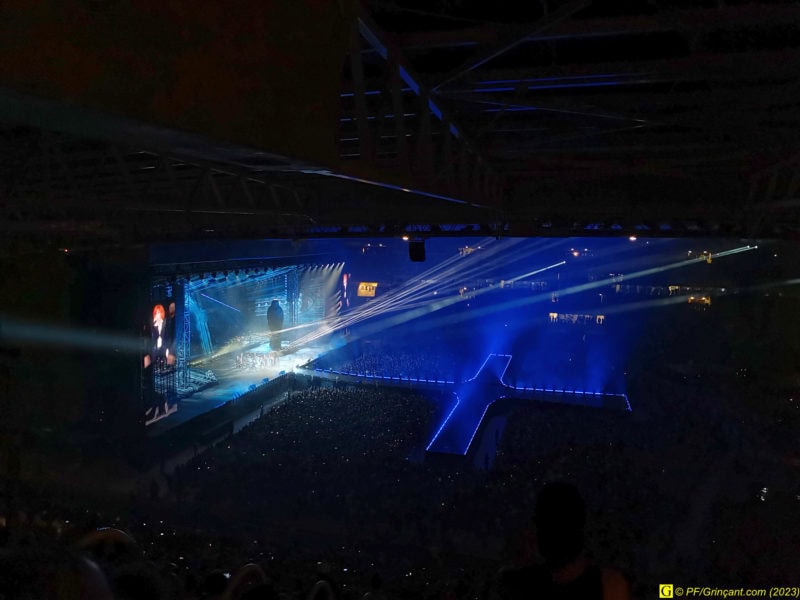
x,y
160,349
169,335
154,362
158,388
275,322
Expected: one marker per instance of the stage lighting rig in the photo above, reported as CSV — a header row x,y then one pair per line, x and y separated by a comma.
x,y
580,252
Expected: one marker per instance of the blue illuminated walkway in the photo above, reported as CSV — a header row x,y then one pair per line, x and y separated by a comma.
x,y
473,398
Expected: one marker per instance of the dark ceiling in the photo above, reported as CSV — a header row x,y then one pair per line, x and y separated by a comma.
x,y
604,117
676,102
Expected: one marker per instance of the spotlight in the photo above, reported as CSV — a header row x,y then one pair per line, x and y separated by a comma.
x,y
632,238
405,238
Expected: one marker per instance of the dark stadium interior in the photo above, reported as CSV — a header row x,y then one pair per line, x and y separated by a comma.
x,y
399,299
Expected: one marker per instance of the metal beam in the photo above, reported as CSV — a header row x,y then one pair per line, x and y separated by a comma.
x,y
715,67
690,21
92,189
51,115
521,103
365,142
425,106
396,85
542,25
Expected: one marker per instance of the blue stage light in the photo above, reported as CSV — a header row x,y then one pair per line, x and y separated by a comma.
x,y
478,426
446,419
461,422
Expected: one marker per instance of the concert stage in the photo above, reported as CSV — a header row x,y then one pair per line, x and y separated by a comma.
x,y
233,383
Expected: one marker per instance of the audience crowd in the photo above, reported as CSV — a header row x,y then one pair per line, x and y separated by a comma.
x,y
330,495
406,365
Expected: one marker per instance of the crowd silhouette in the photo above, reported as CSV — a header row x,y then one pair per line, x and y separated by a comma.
x,y
330,495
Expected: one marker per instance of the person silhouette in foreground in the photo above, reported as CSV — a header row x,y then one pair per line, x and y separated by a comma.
x,y
560,521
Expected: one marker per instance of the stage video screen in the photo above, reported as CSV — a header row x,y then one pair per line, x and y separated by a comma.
x,y
557,320
159,363
215,336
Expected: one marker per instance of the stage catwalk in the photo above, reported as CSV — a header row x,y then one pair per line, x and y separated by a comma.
x,y
473,398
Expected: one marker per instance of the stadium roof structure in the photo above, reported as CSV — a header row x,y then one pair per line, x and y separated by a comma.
x,y
142,121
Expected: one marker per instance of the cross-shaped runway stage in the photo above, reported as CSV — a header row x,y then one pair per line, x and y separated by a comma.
x,y
473,397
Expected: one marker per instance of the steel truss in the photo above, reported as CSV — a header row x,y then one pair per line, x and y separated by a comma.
x,y
773,207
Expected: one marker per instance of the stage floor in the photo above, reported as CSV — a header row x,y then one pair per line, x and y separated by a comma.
x,y
232,382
